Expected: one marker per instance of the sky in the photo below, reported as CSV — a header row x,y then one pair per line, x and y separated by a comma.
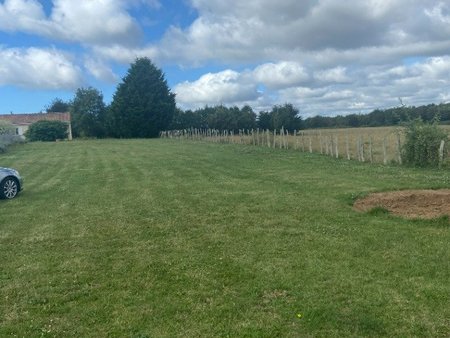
x,y
326,57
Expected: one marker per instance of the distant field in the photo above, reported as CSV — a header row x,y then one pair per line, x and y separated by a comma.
x,y
161,238
375,140
369,144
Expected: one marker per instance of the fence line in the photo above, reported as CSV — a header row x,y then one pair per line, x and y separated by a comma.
x,y
376,147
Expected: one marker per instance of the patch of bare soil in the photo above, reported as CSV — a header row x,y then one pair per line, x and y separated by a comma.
x,y
409,203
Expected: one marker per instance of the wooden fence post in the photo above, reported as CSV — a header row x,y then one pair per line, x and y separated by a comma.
x,y
399,149
331,145
361,143
287,139
321,143
441,153
296,140
281,137
358,152
336,144
347,147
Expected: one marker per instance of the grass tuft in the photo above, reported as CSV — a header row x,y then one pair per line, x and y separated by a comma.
x,y
378,211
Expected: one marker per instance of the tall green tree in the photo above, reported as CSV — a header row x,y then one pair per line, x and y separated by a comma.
x,y
88,113
246,118
143,104
58,106
286,116
264,120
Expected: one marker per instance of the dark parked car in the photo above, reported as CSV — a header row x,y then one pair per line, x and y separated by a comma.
x,y
10,183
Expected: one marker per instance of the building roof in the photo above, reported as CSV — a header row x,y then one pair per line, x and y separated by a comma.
x,y
25,119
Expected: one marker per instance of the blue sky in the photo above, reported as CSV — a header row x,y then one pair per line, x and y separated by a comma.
x,y
326,57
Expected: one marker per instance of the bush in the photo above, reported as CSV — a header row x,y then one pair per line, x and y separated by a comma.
x,y
46,131
421,148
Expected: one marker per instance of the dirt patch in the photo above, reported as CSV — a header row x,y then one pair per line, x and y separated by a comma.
x,y
409,203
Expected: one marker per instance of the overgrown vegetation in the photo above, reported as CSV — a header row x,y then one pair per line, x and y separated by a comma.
x,y
47,131
153,238
422,144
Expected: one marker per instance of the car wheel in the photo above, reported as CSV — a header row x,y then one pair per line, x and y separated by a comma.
x,y
9,188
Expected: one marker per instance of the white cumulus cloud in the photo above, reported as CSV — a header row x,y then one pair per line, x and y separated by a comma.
x,y
211,89
326,56
84,21
292,30
38,68
94,21
100,70
23,15
280,75
336,75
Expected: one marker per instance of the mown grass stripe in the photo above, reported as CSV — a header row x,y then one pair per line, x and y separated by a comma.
x,y
161,238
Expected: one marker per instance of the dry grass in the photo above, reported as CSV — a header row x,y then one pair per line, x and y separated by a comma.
x,y
369,144
380,144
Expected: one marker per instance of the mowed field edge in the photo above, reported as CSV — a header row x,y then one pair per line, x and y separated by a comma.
x,y
145,238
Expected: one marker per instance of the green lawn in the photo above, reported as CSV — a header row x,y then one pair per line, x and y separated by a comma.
x,y
156,238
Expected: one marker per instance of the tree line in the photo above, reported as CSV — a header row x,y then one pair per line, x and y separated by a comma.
x,y
235,118
143,105
387,117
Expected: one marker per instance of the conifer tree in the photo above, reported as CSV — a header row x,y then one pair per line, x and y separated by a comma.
x,y
143,104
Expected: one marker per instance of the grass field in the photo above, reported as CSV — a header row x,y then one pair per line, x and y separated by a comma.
x,y
159,238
